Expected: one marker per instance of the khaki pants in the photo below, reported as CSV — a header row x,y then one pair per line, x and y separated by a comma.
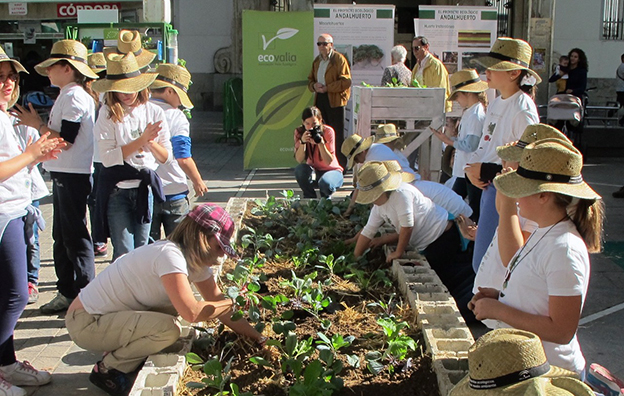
x,y
129,336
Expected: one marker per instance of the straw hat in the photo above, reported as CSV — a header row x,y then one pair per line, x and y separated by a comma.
x,y
509,54
513,362
130,41
71,51
176,77
353,145
531,134
96,62
386,133
123,75
5,58
466,80
376,177
548,165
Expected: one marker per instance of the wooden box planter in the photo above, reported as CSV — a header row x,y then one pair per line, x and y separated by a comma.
x,y
418,107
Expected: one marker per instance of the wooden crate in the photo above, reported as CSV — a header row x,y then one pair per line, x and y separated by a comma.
x,y
418,107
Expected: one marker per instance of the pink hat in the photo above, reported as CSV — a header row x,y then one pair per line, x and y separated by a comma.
x,y
215,219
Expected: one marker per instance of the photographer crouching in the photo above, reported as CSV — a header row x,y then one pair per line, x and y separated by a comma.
x,y
315,150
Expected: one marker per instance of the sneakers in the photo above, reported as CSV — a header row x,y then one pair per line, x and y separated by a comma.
x,y
23,374
100,249
619,193
58,304
601,380
33,293
113,382
7,389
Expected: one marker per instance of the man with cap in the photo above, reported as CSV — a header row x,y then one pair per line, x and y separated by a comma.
x,y
330,80
169,91
130,310
429,71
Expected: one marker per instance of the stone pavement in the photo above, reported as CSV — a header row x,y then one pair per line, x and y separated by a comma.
x,y
43,340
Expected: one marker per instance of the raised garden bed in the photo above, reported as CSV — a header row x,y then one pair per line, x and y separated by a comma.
x,y
336,325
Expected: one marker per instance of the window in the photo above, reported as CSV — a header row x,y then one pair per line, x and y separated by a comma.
x,y
280,5
612,19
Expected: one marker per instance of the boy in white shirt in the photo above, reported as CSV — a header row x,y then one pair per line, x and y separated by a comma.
x,y
169,91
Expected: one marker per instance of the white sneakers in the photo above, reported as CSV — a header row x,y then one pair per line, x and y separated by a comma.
x,y
6,389
21,374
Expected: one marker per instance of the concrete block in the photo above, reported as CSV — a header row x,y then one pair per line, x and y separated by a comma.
x,y
449,372
166,362
433,298
153,383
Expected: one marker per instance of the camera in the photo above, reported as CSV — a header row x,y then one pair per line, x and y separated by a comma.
x,y
316,134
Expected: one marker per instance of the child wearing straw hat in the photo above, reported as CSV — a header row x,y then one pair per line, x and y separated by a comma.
x,y
418,222
169,91
72,118
129,41
468,90
360,151
133,139
16,161
546,281
513,362
505,120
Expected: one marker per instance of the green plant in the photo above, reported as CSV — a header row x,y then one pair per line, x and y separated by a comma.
x,y
217,376
386,307
397,345
246,286
299,286
416,84
260,242
334,266
303,259
294,352
267,207
395,83
315,381
316,299
367,280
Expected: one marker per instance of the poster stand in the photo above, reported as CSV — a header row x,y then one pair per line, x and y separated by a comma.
x,y
417,108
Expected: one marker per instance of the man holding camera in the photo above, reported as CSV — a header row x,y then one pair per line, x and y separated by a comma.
x,y
330,80
315,151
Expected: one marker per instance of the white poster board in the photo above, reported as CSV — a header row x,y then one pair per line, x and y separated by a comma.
x,y
365,35
458,34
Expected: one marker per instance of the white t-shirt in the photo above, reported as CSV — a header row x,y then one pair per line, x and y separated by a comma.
x,y
505,122
133,282
553,263
111,136
15,192
39,189
408,207
172,176
381,152
471,123
444,196
76,105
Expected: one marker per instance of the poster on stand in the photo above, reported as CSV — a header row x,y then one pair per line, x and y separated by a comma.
x,y
277,57
365,35
458,34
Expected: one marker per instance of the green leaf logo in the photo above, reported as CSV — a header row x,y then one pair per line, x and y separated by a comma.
x,y
283,34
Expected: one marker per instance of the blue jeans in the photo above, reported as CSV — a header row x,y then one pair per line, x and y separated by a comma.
x,y
168,214
126,232
328,182
488,221
33,258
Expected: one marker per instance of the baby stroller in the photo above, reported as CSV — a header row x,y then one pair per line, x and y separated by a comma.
x,y
565,112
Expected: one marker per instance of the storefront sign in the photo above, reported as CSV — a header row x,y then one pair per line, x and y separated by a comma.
x,y
70,10
277,57
18,8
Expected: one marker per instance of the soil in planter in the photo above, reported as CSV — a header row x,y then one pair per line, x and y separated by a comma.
x,y
350,312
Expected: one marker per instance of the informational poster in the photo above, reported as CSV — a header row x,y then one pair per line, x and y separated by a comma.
x,y
365,35
277,57
457,35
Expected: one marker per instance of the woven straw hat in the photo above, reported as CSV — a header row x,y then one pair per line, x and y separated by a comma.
x,y
130,41
509,54
386,133
5,58
548,165
176,77
377,177
97,62
353,145
513,362
466,80
531,134
123,75
71,51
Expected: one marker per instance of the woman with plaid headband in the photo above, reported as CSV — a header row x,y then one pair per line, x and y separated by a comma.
x,y
129,310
